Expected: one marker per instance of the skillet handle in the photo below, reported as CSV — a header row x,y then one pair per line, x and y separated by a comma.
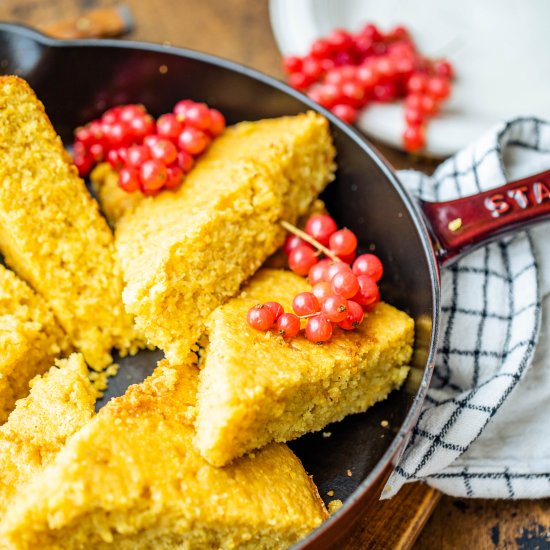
x,y
461,225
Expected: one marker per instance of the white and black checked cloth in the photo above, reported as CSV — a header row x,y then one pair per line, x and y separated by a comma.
x,y
485,427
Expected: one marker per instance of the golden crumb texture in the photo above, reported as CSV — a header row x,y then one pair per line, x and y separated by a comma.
x,y
130,479
51,231
60,402
30,339
256,387
184,253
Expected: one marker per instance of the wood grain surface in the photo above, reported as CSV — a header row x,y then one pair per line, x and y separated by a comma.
x,y
239,30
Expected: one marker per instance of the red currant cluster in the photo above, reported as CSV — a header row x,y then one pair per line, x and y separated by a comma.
x,y
149,155
344,72
340,292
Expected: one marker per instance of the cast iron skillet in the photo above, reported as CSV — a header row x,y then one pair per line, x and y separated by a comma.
x,y
78,80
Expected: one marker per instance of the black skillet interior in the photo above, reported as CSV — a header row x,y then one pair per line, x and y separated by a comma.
x,y
77,81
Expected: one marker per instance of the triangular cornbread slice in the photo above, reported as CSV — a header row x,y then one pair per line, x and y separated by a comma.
x,y
130,479
51,231
60,402
184,253
30,339
255,387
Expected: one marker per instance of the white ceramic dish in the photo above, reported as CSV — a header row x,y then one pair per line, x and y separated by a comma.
x,y
499,49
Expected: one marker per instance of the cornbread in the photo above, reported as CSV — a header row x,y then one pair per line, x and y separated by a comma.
x,y
255,387
51,231
60,402
130,479
30,338
113,200
185,253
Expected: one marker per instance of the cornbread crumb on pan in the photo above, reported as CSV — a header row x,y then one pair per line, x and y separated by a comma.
x,y
256,387
51,231
60,402
30,339
130,479
184,253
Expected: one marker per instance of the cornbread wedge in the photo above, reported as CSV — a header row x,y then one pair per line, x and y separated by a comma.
x,y
30,339
60,402
130,479
51,231
185,253
255,387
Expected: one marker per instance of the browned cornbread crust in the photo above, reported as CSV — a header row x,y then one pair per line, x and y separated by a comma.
x,y
131,480
60,402
185,253
51,231
256,387
30,339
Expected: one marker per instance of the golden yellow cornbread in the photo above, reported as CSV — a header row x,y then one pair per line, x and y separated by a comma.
x,y
131,480
30,339
255,387
185,253
113,200
60,402
51,231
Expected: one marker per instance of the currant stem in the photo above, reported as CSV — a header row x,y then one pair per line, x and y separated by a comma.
x,y
308,238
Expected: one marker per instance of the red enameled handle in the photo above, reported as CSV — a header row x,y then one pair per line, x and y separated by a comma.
x,y
461,225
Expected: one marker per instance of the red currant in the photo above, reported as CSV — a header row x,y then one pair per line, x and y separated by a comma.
x,y
174,178
417,83
335,308
301,259
345,112
354,316
193,141
293,241
114,159
217,123
318,329
198,116
319,272
165,151
288,325
322,291
443,68
439,87
276,308
185,161
413,138
169,127
345,284
260,317
84,164
129,112
137,155
305,303
153,175
337,267
370,265
128,179
181,107
343,242
141,126
292,64
368,291
321,227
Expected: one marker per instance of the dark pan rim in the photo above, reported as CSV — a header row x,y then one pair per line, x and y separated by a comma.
x,y
401,437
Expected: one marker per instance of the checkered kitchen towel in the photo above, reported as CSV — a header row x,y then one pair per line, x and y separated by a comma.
x,y
485,427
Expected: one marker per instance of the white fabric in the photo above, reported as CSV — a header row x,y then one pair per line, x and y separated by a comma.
x,y
485,428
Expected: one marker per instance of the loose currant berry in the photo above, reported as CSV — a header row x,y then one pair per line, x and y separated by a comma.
x,y
217,123
165,151
137,155
288,325
335,308
301,259
413,138
193,141
198,116
260,317
169,127
276,308
174,178
153,175
370,265
318,329
305,303
128,179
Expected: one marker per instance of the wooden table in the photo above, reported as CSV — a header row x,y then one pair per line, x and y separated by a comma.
x,y
240,30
